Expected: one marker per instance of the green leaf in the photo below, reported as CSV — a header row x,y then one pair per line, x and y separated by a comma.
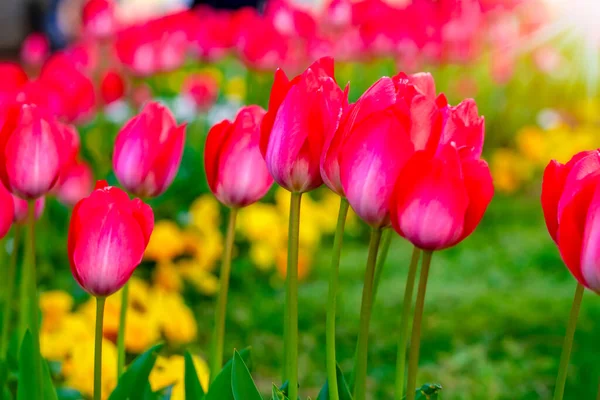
x,y
343,390
48,390
429,391
27,387
242,384
278,394
220,389
193,387
135,379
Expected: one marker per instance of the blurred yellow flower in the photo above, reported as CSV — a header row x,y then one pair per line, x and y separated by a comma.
x,y
193,271
171,371
176,319
205,214
166,242
263,255
54,305
236,89
168,277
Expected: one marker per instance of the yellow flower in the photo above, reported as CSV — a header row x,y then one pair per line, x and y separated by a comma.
x,y
262,223
509,170
168,277
205,214
530,142
193,272
57,341
263,255
235,88
142,330
170,371
206,247
166,242
176,319
54,305
78,369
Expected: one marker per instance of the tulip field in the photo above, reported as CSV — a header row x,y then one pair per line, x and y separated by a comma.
x,y
330,200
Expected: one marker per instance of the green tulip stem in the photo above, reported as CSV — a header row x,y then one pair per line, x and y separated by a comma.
x,y
291,318
98,348
386,241
563,368
218,338
415,343
121,333
10,288
331,301
360,366
406,306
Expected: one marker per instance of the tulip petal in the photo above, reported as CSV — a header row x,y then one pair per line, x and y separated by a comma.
x,y
425,84
480,189
143,214
132,158
585,167
425,123
553,184
212,151
167,163
109,247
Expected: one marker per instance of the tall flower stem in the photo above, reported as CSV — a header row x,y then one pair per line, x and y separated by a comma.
x,y
98,348
291,339
598,396
10,288
360,366
386,241
403,336
121,333
216,353
331,301
561,379
415,342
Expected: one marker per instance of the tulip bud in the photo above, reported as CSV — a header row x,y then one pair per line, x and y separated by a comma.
x,y
31,151
76,182
235,169
571,200
22,209
7,211
148,151
112,87
302,114
439,200
35,49
108,235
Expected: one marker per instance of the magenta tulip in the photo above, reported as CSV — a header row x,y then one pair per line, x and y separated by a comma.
x,y
302,114
76,182
235,169
439,200
108,235
148,151
32,150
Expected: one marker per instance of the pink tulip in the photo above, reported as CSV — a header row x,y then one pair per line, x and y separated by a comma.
x,y
302,114
148,151
376,137
32,150
76,182
463,126
439,200
35,49
21,208
203,89
7,211
13,79
99,19
570,200
235,169
108,235
112,87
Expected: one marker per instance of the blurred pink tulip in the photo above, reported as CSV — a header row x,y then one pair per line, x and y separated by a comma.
x,y
99,18
148,151
112,87
35,49
203,89
21,209
108,235
76,182
235,169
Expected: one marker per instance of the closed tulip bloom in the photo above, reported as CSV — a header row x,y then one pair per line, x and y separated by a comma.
x,y
35,49
571,201
235,169
302,114
7,211
32,151
22,211
112,87
376,137
108,235
99,18
148,151
76,182
439,200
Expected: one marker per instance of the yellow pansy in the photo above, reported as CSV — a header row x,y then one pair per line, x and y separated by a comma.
x,y
166,242
171,371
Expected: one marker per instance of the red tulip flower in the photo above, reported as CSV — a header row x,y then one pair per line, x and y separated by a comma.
x,y
112,87
462,126
7,211
76,182
570,199
22,210
13,79
35,49
235,169
439,200
302,114
148,151
99,18
32,150
108,235
376,137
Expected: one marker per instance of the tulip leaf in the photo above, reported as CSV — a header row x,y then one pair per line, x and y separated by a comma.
x,y
242,384
135,379
49,392
277,394
429,391
193,387
221,389
27,387
343,390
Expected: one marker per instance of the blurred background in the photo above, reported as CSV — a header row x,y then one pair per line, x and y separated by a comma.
x,y
497,304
